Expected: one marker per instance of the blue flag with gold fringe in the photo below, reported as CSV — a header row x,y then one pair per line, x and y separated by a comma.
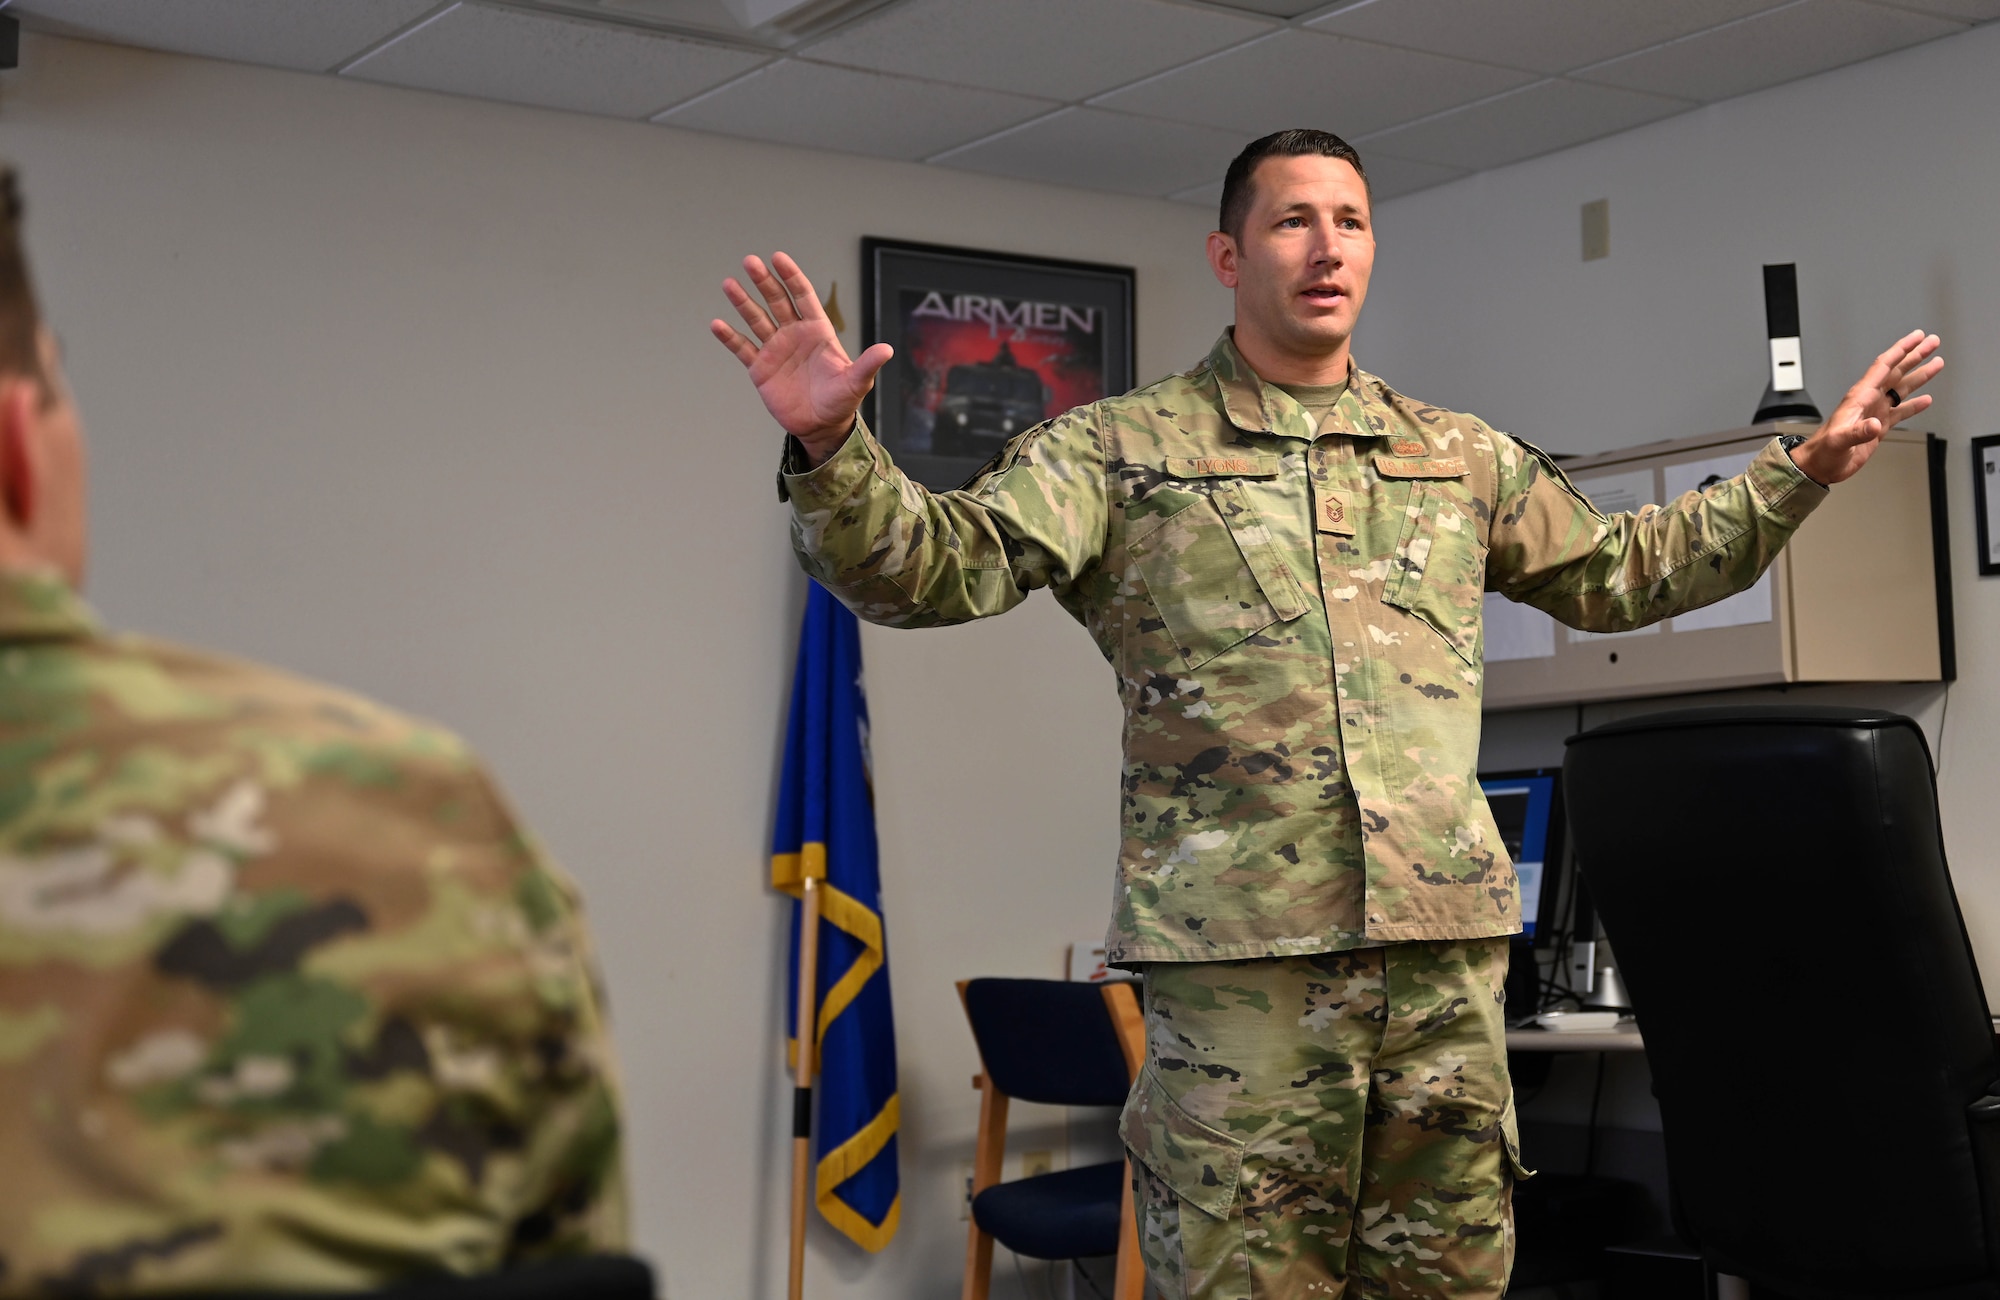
x,y
826,830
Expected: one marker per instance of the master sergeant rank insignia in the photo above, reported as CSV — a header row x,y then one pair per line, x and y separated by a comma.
x,y
1334,516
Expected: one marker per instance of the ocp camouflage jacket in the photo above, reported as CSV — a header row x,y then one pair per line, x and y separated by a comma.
x,y
1295,620
288,999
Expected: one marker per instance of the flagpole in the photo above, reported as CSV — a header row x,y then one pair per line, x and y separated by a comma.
x,y
803,1063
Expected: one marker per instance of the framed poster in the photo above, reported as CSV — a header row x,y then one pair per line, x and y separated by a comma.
x,y
1985,499
987,345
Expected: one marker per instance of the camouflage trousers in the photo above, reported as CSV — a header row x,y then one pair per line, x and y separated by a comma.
x,y
1311,1126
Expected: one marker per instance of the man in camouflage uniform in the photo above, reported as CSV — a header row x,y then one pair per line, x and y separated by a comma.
x,y
288,999
1284,560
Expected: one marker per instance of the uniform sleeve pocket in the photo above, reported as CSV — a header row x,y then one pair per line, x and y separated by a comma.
x,y
1215,575
1439,571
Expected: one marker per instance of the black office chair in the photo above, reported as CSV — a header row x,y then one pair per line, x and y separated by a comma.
x,y
1060,1044
588,1277
1773,882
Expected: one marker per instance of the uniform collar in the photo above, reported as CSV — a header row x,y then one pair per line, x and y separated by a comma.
x,y
41,607
1258,407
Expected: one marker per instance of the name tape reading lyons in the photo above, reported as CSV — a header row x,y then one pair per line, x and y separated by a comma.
x,y
1021,314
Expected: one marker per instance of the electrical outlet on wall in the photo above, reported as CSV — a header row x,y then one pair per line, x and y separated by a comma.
x,y
1025,1165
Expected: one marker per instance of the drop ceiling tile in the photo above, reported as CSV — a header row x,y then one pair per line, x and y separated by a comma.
x,y
1392,178
524,58
820,106
1276,8
1096,150
1770,49
1057,49
1541,35
1547,116
1969,11
1206,195
1299,78
308,35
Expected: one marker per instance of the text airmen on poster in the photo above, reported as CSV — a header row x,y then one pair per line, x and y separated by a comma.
x,y
980,368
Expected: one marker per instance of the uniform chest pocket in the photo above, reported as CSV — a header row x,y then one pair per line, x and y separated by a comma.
x,y
1214,574
1439,569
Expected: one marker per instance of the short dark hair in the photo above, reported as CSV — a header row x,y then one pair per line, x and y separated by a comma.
x,y
1295,143
20,320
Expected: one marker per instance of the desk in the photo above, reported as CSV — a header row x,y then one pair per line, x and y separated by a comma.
x,y
1623,1039
1601,1184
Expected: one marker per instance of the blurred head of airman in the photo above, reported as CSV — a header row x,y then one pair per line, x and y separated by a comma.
x,y
1296,244
43,525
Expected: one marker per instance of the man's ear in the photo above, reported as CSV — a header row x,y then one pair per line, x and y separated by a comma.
x,y
1222,258
20,403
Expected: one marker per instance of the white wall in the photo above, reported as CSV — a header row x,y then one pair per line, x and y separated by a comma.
x,y
416,394
1880,180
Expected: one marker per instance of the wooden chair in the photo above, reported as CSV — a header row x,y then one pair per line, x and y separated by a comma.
x,y
1063,1044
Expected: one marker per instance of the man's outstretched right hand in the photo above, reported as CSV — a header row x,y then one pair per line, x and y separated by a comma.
x,y
807,381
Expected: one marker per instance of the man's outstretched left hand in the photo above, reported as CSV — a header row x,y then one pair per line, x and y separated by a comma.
x,y
1843,444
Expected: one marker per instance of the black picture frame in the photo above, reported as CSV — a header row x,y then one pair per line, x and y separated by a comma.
x,y
1985,496
987,345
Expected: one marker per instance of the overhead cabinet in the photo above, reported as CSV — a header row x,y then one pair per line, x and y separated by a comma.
x,y
1860,594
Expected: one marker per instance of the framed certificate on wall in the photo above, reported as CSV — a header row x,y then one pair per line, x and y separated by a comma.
x,y
1985,498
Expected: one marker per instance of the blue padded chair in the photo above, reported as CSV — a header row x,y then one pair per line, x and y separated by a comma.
x,y
1059,1044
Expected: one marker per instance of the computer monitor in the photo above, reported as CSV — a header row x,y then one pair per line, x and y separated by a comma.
x,y
1527,807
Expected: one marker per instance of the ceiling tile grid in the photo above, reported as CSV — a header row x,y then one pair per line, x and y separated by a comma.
x,y
303,35
1279,8
1543,36
1208,195
1770,48
1548,115
528,58
1390,177
1966,11
1296,77
819,106
1093,149
1102,44
1134,96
